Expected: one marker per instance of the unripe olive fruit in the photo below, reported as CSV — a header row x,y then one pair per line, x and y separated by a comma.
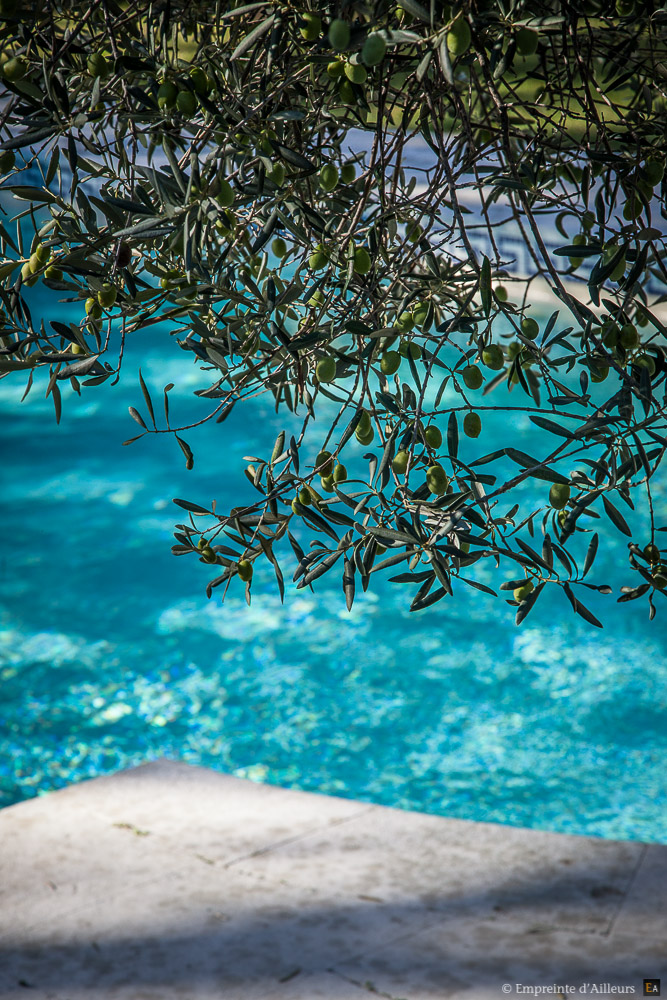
x,y
339,473
35,262
458,37
514,348
632,209
107,296
433,436
324,463
599,373
348,173
660,579
346,93
390,362
501,293
629,337
7,161
522,592
304,497
646,361
335,69
374,49
186,102
245,570
437,480
326,369
225,195
311,28
26,273
93,308
653,171
414,233
400,463
339,35
530,328
356,73
53,273
167,94
405,322
610,335
97,65
420,313
364,439
472,377
317,260
208,554
328,177
362,261
279,247
327,484
526,41
410,350
364,424
652,553
200,80
76,349
15,68
493,357
472,425
559,494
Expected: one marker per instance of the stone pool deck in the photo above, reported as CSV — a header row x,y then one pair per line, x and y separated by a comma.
x,y
170,881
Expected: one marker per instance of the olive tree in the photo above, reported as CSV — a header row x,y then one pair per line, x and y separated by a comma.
x,y
244,174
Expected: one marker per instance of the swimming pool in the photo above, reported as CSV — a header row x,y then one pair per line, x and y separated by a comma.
x,y
110,653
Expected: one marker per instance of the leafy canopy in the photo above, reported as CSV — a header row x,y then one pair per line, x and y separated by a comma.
x,y
247,172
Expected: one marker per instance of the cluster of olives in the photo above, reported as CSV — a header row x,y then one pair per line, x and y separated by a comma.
x,y
320,258
185,99
38,263
653,556
105,299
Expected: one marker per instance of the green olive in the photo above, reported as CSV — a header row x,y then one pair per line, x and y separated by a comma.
x,y
472,377
356,73
400,463
107,296
311,27
326,369
279,247
493,357
329,177
245,570
459,37
522,592
472,425
374,49
339,35
390,362
97,65
186,102
559,494
437,480
433,436
362,261
530,328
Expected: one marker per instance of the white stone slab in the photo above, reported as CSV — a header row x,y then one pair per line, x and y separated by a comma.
x,y
171,881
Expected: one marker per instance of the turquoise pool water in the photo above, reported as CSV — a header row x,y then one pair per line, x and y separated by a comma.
x,y
110,653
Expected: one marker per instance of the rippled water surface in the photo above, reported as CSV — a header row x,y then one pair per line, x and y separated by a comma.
x,y
110,653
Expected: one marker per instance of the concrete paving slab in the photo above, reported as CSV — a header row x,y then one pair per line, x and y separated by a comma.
x,y
470,869
172,881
